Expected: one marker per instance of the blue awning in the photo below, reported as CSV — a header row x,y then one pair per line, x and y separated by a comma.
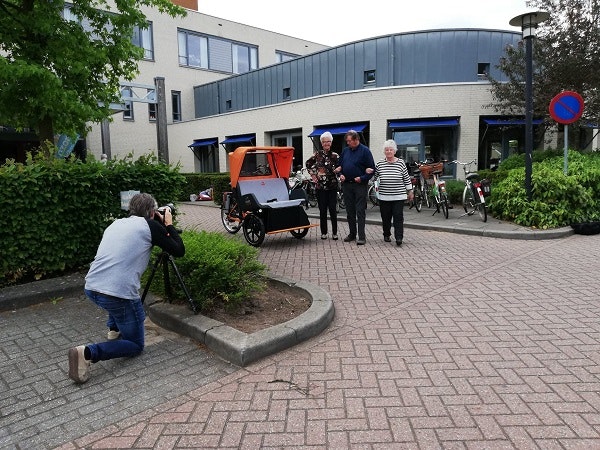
x,y
241,138
424,123
338,129
203,143
509,122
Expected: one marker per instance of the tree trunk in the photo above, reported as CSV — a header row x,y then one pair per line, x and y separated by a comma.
x,y
46,135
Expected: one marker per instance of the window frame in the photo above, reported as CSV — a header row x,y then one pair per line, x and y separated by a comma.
x,y
204,48
176,106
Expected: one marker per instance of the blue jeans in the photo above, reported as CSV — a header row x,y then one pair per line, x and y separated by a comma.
x,y
126,315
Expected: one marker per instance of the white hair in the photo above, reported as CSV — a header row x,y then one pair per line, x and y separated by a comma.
x,y
390,143
326,135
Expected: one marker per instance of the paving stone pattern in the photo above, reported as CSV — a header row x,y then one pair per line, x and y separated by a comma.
x,y
450,341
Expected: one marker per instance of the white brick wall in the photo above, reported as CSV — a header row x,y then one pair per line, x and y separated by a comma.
x,y
140,136
375,106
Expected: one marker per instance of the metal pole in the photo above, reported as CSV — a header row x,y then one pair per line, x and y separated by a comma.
x,y
528,113
566,150
161,120
105,138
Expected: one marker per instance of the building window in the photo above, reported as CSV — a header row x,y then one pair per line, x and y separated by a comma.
x,y
151,109
127,93
244,58
207,52
283,56
369,77
143,39
483,70
287,94
176,105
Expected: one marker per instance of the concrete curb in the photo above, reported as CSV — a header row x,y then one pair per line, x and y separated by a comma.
x,y
24,295
241,348
232,345
523,234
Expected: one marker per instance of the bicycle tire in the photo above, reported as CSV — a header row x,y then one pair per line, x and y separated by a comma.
x,y
418,199
482,210
444,204
312,198
373,196
428,197
467,199
230,219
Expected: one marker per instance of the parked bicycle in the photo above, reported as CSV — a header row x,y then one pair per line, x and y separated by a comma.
x,y
302,180
436,195
372,193
418,188
422,181
473,198
341,204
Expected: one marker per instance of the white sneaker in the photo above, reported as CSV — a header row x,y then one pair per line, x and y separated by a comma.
x,y
79,367
113,335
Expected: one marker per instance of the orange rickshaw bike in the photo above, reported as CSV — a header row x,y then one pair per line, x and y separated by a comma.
x,y
260,201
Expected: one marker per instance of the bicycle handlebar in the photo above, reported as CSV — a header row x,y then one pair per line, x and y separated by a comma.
x,y
456,161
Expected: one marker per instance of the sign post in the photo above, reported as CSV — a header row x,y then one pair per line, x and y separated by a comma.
x,y
566,108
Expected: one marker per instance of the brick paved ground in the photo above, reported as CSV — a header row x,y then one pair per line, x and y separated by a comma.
x,y
451,341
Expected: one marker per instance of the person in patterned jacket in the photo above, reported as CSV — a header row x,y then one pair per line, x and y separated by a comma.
x,y
321,167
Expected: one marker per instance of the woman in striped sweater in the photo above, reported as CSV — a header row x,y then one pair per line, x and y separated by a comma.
x,y
394,188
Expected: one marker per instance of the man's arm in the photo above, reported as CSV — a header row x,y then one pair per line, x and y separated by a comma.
x,y
167,238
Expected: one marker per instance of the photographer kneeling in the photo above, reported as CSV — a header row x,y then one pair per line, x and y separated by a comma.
x,y
113,281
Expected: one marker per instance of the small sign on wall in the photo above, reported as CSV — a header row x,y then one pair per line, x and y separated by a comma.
x,y
126,196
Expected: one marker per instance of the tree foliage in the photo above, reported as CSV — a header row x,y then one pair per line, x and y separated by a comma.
x,y
59,74
566,56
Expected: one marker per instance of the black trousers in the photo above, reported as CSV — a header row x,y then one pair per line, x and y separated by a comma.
x,y
355,196
327,199
392,211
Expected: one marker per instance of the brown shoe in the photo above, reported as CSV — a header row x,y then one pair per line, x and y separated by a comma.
x,y
79,367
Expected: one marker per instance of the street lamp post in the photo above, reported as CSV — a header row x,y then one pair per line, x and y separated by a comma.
x,y
528,23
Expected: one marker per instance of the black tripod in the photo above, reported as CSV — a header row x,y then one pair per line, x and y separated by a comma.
x,y
166,259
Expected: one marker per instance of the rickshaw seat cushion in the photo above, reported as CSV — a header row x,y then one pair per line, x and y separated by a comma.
x,y
269,192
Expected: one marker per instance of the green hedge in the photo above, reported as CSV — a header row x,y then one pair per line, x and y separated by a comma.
x,y
55,211
557,199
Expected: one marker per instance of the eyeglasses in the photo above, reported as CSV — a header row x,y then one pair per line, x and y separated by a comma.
x,y
325,142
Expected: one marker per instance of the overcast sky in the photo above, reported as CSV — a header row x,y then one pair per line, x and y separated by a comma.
x,y
337,22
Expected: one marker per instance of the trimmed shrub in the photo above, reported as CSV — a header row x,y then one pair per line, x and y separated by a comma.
x,y
216,269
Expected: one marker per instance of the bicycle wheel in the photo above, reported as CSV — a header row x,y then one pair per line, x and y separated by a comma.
x,y
418,199
312,197
340,199
444,203
299,234
231,220
373,196
254,230
425,193
467,199
482,210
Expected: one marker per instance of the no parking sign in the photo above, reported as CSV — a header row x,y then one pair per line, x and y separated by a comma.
x,y
566,108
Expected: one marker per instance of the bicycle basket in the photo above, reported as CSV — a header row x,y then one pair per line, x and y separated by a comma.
x,y
428,169
486,187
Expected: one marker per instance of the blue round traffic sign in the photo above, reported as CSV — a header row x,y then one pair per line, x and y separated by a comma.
x,y
566,107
